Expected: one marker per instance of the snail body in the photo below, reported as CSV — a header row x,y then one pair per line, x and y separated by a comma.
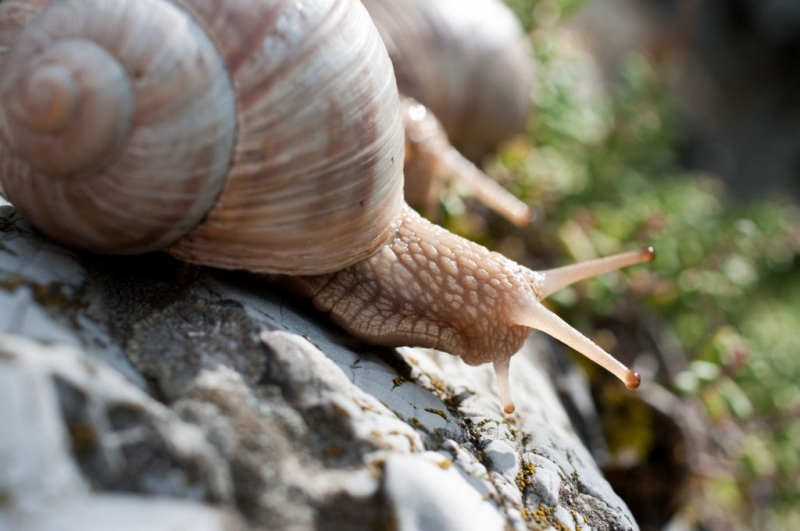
x,y
467,60
272,142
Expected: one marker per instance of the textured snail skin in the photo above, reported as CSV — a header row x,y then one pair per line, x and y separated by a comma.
x,y
428,287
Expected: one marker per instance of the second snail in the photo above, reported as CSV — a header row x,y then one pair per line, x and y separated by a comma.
x,y
470,63
261,135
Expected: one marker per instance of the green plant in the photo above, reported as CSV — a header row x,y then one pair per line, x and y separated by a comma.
x,y
601,167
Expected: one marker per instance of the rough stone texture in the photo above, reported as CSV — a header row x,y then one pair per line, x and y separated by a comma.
x,y
153,394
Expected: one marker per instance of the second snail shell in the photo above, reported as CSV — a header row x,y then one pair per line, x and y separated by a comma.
x,y
215,129
469,61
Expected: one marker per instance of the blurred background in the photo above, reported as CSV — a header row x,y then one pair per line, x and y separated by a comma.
x,y
674,123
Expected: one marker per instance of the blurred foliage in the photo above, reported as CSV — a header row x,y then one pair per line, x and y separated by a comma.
x,y
599,164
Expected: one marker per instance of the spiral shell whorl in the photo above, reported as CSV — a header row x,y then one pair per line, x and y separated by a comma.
x,y
48,99
70,110
102,145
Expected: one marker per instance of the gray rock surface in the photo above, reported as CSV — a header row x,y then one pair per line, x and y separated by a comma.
x,y
143,393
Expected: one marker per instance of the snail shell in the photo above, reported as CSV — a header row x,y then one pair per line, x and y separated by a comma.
x,y
467,60
126,124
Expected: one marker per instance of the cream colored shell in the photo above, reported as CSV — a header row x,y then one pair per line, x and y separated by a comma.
x,y
274,122
467,60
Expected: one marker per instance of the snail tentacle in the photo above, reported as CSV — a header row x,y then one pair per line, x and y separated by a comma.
x,y
501,368
556,279
536,316
431,163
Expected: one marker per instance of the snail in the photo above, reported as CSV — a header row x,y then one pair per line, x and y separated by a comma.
x,y
468,61
261,135
432,164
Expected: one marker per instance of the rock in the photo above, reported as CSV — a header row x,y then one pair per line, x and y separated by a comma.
x,y
427,492
122,513
146,392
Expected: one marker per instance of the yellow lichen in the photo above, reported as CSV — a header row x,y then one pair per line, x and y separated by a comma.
x,y
543,515
11,284
83,436
439,385
417,425
51,295
525,475
575,517
332,452
437,412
